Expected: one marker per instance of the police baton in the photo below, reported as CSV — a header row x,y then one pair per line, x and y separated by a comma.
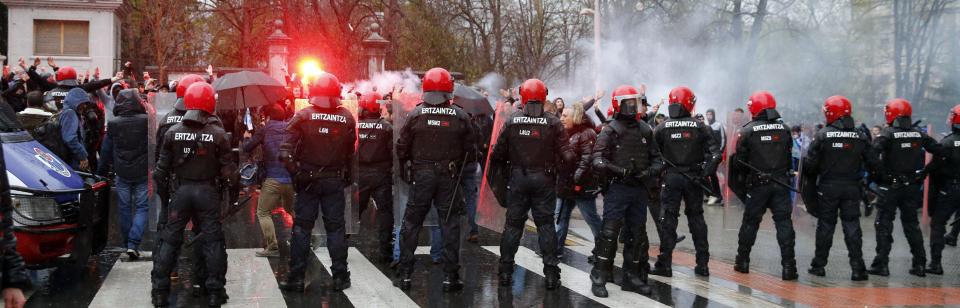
x,y
774,180
233,209
453,196
689,177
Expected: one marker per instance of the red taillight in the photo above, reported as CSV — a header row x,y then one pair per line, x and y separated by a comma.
x,y
99,185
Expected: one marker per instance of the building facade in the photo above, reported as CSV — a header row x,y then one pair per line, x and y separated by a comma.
x,y
80,33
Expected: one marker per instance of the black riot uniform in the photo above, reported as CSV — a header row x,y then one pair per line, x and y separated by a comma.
x,y
901,149
836,158
166,122
531,144
765,144
322,145
944,172
625,151
196,153
433,144
689,154
376,162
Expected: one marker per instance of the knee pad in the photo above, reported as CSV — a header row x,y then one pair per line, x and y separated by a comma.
x,y
611,230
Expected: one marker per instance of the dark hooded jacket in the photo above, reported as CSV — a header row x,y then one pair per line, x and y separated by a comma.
x,y
125,145
581,140
70,125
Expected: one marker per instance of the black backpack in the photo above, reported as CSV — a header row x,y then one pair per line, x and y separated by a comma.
x,y
48,134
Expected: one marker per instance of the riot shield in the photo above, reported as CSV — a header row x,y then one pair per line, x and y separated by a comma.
x,y
157,106
399,110
491,203
808,192
736,178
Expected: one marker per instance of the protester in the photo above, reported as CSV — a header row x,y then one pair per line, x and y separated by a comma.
x,y
70,129
33,115
720,135
125,150
276,190
576,185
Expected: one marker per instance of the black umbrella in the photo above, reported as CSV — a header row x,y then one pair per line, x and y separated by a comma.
x,y
471,101
247,89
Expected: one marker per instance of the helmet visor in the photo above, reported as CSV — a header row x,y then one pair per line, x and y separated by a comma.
x,y
436,98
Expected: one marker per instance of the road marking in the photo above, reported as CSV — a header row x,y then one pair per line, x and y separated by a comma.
x,y
702,288
369,287
127,285
579,281
250,283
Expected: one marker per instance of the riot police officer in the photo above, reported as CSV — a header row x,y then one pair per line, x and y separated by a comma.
x,y
319,180
376,162
944,173
900,146
833,168
532,143
625,151
764,153
196,154
166,122
435,142
690,154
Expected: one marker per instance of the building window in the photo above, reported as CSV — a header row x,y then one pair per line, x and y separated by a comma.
x,y
61,37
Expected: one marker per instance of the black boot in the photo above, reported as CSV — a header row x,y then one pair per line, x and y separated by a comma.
x,y
160,297
817,271
879,269
935,268
292,284
553,277
598,279
506,274
217,297
452,283
662,268
340,281
789,271
950,240
918,270
402,280
634,282
859,271
742,265
702,270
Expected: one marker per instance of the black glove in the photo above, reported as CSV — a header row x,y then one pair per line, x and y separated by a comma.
x,y
919,176
162,179
620,171
406,172
578,176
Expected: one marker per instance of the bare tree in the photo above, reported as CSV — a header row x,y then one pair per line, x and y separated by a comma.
x,y
917,44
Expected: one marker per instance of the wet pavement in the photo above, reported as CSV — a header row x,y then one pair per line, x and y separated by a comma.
x,y
107,281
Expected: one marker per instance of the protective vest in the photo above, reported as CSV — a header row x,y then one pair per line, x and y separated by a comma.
x,y
769,144
903,152
532,140
631,146
375,143
196,150
841,153
327,137
438,133
681,142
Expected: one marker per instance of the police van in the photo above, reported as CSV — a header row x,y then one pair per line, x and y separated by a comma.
x,y
58,214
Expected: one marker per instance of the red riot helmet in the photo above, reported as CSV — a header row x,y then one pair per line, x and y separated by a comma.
x,y
626,100
896,108
437,86
200,96
368,102
684,97
609,111
185,83
67,75
324,91
955,115
533,90
836,107
760,101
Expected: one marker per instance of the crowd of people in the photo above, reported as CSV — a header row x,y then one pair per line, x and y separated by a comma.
x,y
552,156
